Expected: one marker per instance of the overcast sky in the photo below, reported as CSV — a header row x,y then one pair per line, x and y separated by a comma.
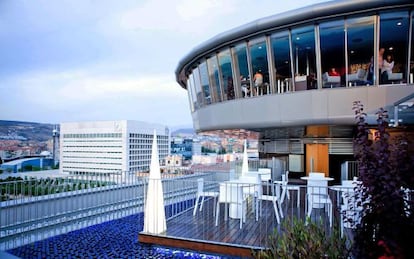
x,y
87,60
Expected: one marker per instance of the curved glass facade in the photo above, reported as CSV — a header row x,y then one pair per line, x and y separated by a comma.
x,y
365,49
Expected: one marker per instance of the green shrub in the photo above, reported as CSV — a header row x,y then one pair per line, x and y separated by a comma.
x,y
297,239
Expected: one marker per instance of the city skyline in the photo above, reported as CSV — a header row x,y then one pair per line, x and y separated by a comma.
x,y
84,61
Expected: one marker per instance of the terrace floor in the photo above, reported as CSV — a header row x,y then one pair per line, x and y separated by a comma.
x,y
253,235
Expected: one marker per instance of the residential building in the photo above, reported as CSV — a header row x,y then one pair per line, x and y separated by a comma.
x,y
108,147
183,147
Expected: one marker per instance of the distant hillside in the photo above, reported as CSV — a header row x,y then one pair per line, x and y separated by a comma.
x,y
187,131
25,131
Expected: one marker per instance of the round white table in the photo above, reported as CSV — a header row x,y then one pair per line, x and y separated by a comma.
x,y
235,209
317,178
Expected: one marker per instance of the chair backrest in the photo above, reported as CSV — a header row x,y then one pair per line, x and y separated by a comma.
x,y
230,193
200,185
253,179
361,73
285,177
266,174
258,188
325,76
317,187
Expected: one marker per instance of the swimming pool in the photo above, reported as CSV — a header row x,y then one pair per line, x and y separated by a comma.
x,y
113,239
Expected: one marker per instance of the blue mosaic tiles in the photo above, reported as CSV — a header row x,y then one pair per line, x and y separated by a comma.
x,y
112,239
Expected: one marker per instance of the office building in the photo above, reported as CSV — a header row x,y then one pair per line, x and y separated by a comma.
x,y
110,147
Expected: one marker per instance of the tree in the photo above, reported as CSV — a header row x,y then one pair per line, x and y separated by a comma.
x,y
385,168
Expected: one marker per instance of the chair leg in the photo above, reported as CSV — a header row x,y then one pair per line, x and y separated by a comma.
x,y
280,209
244,212
242,216
309,212
298,198
196,205
201,205
330,214
276,212
214,208
282,196
217,213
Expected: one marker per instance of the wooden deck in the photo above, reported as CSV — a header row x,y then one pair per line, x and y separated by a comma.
x,y
199,232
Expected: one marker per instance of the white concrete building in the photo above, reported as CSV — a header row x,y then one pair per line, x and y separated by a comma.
x,y
105,147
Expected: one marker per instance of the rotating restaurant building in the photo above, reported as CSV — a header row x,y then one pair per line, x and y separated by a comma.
x,y
301,107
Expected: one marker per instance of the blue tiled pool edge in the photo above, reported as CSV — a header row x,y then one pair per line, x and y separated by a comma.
x,y
112,239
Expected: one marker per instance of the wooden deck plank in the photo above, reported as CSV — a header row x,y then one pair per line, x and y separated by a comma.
x,y
253,233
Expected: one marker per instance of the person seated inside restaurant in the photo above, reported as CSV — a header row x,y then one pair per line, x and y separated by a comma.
x,y
333,72
386,70
245,86
370,76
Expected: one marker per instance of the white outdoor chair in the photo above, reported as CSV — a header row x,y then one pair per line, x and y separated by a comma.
x,y
350,209
266,174
317,197
232,194
286,188
251,179
273,197
201,194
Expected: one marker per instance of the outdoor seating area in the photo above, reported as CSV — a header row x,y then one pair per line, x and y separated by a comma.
x,y
248,209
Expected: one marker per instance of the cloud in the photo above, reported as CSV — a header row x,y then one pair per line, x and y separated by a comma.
x,y
180,16
80,86
79,95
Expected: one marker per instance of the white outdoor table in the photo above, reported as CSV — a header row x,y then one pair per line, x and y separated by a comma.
x,y
235,210
317,178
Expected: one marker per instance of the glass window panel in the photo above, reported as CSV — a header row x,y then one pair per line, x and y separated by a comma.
x,y
213,72
395,46
411,77
281,57
197,84
191,92
258,56
360,40
332,41
303,45
205,87
227,74
240,57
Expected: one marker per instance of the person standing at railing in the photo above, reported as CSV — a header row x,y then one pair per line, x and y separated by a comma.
x,y
258,81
